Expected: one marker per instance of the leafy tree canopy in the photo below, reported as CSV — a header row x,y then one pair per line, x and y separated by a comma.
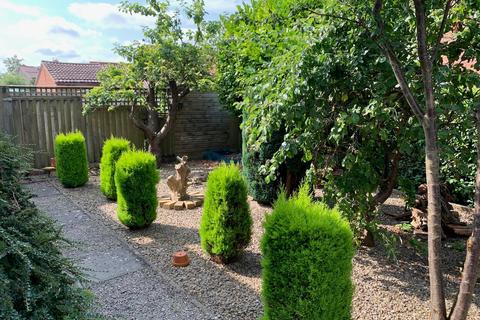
x,y
316,70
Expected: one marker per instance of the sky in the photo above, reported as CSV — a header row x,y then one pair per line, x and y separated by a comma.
x,y
75,31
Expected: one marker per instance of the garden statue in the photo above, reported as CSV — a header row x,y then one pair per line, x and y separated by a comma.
x,y
179,199
178,183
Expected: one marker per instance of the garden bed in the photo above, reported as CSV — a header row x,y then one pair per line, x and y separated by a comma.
x,y
385,289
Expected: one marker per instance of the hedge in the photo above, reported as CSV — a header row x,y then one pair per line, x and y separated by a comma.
x,y
307,252
71,159
225,227
136,177
111,152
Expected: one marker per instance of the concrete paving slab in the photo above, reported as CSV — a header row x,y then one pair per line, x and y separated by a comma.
x,y
42,189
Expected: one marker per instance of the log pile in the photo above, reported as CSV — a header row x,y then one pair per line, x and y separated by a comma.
x,y
451,224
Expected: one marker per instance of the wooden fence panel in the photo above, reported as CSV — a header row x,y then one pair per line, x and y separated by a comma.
x,y
35,119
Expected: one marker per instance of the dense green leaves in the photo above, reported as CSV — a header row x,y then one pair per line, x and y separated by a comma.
x,y
136,179
111,152
225,228
307,254
315,71
71,159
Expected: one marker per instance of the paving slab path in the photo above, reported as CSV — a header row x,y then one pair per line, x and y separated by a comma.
x,y
125,286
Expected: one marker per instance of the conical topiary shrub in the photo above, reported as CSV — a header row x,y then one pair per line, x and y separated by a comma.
x,y
136,178
111,152
307,251
71,159
226,223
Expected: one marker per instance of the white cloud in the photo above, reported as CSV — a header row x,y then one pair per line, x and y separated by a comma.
x,y
6,5
54,37
106,15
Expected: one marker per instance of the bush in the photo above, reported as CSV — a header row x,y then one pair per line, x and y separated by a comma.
x,y
307,254
71,159
258,188
112,150
225,227
36,281
136,177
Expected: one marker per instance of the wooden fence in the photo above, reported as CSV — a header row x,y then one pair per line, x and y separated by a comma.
x,y
34,118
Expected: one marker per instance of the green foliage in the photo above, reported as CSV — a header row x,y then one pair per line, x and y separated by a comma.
x,y
36,281
252,160
112,150
10,79
311,69
136,178
167,54
307,254
71,159
225,228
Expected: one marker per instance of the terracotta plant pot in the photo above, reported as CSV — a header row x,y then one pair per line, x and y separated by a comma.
x,y
53,163
180,259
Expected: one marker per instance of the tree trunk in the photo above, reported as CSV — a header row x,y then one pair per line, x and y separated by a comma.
x,y
437,294
154,148
432,166
472,260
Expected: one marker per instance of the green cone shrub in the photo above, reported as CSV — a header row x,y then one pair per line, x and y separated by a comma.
x,y
307,252
225,228
136,178
111,152
71,159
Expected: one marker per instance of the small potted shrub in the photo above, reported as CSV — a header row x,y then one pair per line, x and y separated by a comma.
x,y
71,159
111,152
225,228
307,252
136,178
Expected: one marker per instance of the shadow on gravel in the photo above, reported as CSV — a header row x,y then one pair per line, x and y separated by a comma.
x,y
409,273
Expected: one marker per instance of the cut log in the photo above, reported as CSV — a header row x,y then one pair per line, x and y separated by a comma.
x,y
179,205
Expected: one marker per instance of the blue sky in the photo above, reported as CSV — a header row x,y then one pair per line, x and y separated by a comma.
x,y
74,31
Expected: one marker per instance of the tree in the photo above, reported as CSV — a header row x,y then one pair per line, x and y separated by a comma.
x,y
324,95
159,72
12,64
324,72
424,81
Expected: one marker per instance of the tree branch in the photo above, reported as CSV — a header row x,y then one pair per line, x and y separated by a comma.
x,y
441,30
388,184
138,123
387,50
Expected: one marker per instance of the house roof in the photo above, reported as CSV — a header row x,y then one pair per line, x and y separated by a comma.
x,y
66,72
29,72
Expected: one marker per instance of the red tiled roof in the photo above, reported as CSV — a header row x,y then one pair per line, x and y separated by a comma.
x,y
29,72
66,72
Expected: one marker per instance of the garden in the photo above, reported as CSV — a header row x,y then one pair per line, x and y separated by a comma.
x,y
357,195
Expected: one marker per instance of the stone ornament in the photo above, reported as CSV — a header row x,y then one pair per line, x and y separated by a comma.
x,y
179,198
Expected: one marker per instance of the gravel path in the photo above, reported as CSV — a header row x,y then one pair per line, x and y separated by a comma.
x,y
385,289
124,285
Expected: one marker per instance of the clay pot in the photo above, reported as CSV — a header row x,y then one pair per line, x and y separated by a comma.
x,y
180,259
53,163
